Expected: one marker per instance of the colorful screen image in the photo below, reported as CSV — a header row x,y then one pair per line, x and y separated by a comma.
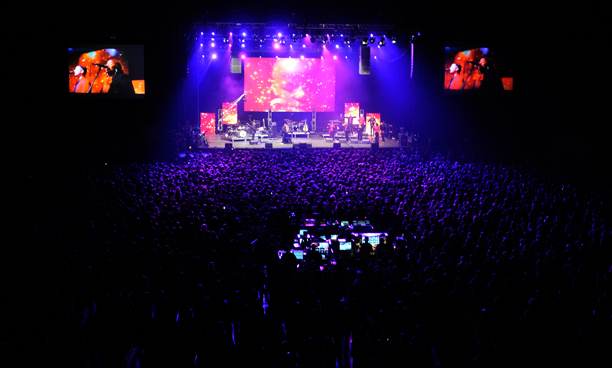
x,y
371,121
345,245
229,114
299,254
290,84
479,69
351,109
116,70
207,123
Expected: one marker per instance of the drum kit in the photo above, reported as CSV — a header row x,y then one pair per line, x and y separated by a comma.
x,y
295,126
245,129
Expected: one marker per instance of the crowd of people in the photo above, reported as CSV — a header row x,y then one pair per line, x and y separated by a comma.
x,y
176,264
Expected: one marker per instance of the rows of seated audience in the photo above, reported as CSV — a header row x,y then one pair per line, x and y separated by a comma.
x,y
176,264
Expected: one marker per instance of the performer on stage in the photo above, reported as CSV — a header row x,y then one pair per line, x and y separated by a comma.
x,y
360,128
285,131
376,132
121,83
332,130
456,82
253,127
488,80
82,85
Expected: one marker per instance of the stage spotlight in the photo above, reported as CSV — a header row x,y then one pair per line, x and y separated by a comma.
x,y
214,56
335,57
294,38
346,40
372,39
364,41
332,39
324,39
337,46
276,46
313,38
382,41
353,39
212,44
255,37
393,39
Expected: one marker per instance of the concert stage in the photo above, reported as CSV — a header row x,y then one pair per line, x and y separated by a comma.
x,y
314,140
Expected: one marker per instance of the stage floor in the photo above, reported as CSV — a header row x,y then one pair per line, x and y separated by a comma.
x,y
315,140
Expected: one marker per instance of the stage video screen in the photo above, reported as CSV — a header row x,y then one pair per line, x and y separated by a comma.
x,y
290,84
207,123
482,69
116,70
229,113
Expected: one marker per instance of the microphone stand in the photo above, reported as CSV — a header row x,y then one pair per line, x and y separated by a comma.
x,y
470,73
94,81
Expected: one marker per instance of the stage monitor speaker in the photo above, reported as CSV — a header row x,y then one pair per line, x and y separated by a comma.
x,y
374,145
303,145
337,145
229,146
269,146
254,142
287,140
364,60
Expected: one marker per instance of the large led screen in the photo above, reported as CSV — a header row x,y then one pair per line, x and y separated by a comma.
x,y
229,113
112,70
288,84
480,69
207,123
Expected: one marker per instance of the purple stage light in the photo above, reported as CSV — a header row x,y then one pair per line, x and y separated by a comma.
x,y
335,57
214,56
276,46
212,44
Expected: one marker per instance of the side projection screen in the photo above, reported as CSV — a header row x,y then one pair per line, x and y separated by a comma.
x,y
291,85
483,70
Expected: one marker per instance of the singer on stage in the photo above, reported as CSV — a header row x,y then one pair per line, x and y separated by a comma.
x,y
121,83
456,81
82,85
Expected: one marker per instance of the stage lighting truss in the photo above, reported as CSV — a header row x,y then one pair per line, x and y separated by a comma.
x,y
260,33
